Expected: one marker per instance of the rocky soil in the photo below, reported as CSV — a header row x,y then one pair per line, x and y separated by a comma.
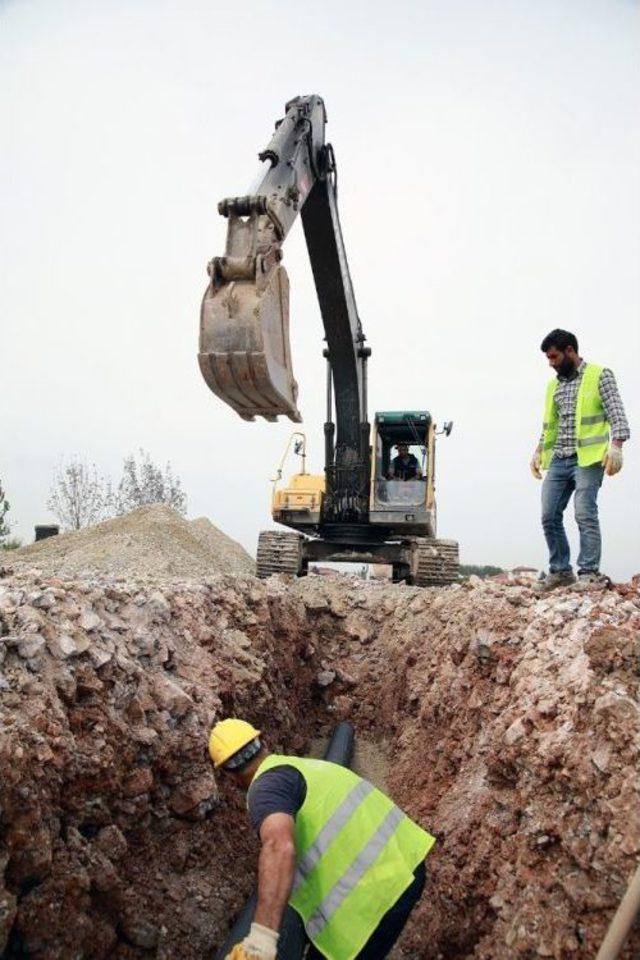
x,y
513,724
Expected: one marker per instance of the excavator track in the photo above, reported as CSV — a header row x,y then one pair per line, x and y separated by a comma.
x,y
279,552
435,562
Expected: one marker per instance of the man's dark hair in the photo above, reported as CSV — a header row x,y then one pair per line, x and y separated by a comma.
x,y
560,339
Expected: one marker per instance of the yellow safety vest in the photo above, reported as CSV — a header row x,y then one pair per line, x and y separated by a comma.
x,y
592,427
355,855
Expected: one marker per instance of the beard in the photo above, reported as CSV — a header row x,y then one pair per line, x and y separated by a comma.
x,y
566,368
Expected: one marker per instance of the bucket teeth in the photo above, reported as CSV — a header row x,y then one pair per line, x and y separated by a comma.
x,y
245,356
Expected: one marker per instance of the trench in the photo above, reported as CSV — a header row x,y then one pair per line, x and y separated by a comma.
x,y
112,858
118,842
318,713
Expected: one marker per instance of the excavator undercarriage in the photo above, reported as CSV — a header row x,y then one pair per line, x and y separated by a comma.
x,y
422,562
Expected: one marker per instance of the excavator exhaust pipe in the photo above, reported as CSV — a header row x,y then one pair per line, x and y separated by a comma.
x,y
245,355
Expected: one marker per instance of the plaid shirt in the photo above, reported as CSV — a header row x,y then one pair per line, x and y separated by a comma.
x,y
565,399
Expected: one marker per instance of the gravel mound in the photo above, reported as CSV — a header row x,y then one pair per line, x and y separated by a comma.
x,y
149,543
236,558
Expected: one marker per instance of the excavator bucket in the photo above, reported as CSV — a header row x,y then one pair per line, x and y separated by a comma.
x,y
245,356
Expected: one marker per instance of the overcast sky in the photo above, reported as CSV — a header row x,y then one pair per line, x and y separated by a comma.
x,y
489,176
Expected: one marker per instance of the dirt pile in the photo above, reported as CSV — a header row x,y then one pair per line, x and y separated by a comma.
x,y
152,542
111,837
513,724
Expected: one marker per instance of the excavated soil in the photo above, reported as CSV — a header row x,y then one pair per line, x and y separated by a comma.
x,y
511,722
151,542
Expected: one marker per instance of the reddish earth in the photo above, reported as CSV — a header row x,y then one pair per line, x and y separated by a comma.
x,y
512,724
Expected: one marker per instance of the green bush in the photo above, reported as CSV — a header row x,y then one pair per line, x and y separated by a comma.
x,y
5,529
472,569
11,543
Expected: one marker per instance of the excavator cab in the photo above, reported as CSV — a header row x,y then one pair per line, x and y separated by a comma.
x,y
402,490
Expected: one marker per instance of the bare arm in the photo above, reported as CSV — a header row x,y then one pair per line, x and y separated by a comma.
x,y
276,869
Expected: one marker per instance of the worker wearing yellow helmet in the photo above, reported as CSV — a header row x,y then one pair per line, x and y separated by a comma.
x,y
335,848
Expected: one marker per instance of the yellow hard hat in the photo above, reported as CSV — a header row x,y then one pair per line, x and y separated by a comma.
x,y
229,736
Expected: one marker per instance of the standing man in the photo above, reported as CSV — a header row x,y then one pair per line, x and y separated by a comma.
x,y
339,851
583,431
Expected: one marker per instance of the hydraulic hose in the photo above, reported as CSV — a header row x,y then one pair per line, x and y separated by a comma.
x,y
292,940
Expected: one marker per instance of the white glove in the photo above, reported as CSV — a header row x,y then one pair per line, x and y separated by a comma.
x,y
612,460
535,464
261,943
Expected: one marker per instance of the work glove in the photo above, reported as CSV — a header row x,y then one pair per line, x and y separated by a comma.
x,y
535,465
239,953
612,460
261,944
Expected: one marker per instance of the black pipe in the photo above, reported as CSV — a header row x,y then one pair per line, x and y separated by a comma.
x,y
292,939
340,747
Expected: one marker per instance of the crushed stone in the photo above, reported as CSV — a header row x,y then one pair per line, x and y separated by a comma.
x,y
151,542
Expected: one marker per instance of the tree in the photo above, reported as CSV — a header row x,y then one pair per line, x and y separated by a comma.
x,y
479,570
5,529
78,495
143,483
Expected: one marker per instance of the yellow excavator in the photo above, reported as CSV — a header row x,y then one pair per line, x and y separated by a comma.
x,y
369,506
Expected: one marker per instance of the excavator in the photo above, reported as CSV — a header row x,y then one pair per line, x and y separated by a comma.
x,y
362,510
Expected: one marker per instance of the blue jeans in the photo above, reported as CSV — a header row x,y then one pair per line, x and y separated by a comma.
x,y
563,478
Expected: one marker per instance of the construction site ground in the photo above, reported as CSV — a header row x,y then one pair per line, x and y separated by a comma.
x,y
505,723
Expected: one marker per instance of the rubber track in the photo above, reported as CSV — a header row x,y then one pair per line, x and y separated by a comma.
x,y
438,563
278,552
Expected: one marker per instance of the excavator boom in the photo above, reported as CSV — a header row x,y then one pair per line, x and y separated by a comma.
x,y
244,355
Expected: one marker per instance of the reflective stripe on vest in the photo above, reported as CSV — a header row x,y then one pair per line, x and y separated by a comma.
x,y
332,828
341,890
355,855
591,440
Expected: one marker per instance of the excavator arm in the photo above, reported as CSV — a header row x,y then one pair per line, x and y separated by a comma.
x,y
245,355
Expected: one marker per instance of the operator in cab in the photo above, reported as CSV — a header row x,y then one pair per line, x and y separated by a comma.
x,y
405,466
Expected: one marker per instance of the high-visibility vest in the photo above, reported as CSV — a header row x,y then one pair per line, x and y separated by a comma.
x,y
592,427
355,855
